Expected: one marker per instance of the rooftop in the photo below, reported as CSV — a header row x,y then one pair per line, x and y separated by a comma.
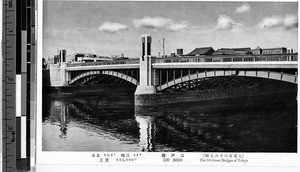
x,y
224,51
241,49
201,51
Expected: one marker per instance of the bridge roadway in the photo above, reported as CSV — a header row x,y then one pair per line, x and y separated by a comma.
x,y
199,65
103,67
229,65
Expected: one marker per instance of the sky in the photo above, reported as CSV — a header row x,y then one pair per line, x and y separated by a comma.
x,y
113,27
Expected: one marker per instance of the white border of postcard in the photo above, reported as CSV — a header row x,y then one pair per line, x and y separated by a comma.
x,y
79,160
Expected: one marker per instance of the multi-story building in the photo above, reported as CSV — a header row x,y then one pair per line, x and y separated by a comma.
x,y
231,51
281,50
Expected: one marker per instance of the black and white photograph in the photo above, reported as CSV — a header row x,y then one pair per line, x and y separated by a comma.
x,y
169,76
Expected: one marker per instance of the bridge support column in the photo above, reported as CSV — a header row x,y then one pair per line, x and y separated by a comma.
x,y
146,85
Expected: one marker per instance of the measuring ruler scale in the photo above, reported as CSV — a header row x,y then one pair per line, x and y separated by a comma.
x,y
9,87
17,89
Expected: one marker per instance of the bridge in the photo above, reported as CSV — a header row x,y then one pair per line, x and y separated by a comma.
x,y
153,75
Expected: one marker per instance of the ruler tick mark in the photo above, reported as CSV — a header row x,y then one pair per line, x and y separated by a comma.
x,y
7,119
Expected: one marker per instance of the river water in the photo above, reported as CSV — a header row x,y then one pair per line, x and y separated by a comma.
x,y
108,121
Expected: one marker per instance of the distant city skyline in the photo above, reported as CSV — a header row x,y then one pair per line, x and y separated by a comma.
x,y
112,28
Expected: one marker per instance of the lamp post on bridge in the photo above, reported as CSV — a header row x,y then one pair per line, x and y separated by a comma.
x,y
146,85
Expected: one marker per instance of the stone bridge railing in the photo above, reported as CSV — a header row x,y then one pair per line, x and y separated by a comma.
x,y
183,59
230,58
113,62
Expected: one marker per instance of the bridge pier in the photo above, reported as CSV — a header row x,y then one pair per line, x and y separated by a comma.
x,y
146,85
140,90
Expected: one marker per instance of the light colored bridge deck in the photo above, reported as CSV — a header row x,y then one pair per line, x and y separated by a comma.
x,y
229,65
104,67
200,65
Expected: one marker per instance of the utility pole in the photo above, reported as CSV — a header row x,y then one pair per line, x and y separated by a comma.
x,y
163,47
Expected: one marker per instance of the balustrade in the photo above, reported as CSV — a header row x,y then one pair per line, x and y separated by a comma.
x,y
224,58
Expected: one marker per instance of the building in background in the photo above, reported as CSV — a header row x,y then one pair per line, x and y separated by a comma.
x,y
246,50
224,51
88,57
233,51
63,54
79,56
56,59
201,51
257,50
173,55
290,51
205,53
281,50
60,56
179,52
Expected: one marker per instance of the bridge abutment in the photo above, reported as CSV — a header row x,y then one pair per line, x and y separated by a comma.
x,y
58,75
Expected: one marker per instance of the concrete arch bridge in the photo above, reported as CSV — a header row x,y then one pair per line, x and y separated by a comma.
x,y
153,75
167,75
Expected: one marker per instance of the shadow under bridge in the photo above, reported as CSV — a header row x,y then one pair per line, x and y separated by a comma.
x,y
175,80
104,77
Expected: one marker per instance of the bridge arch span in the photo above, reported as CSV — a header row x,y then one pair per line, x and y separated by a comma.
x,y
217,73
108,72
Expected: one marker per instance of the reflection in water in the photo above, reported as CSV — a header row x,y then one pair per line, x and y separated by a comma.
x,y
110,122
147,132
58,110
63,124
